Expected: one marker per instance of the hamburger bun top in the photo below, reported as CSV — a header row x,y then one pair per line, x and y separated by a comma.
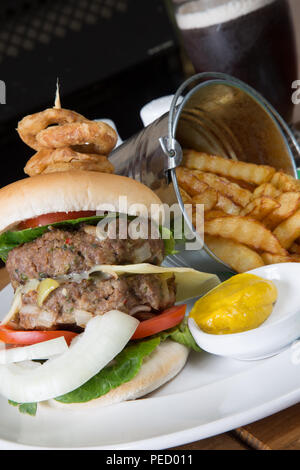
x,y
75,190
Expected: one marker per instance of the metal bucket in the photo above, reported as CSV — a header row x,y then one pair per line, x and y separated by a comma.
x,y
219,115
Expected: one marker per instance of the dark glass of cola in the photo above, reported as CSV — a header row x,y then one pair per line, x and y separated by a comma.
x,y
252,40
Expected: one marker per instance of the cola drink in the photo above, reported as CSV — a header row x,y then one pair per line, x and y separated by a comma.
x,y
252,40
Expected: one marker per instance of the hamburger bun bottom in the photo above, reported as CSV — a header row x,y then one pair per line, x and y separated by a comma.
x,y
162,365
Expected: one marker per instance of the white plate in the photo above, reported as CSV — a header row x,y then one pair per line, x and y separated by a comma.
x,y
210,396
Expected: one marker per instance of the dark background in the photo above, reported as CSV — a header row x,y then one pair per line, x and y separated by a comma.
x,y
111,57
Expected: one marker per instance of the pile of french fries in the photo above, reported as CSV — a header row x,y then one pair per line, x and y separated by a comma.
x,y
251,212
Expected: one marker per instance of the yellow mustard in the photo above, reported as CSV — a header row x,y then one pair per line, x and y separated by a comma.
x,y
239,304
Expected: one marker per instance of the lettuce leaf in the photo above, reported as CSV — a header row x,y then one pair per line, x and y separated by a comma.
x,y
127,364
125,367
180,334
12,239
26,408
169,241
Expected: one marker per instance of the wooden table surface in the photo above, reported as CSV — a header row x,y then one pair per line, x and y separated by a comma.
x,y
278,432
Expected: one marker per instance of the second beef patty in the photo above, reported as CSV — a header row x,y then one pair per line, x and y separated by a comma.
x,y
130,294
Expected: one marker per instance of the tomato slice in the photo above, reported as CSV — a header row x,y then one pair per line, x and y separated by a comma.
x,y
167,319
26,338
54,217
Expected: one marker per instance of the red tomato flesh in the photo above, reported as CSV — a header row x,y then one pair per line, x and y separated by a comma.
x,y
167,319
26,338
48,219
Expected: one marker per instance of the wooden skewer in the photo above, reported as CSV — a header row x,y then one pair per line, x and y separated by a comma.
x,y
57,103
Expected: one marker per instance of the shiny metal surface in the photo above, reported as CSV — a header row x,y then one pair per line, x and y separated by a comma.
x,y
219,115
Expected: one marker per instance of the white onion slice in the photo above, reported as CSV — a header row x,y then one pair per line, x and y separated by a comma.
x,y
142,253
104,337
82,317
43,350
15,306
140,308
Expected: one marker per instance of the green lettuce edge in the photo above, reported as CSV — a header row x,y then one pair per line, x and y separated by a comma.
x,y
25,408
127,365
124,368
12,239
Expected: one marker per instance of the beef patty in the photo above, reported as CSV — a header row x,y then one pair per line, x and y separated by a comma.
x,y
59,252
70,304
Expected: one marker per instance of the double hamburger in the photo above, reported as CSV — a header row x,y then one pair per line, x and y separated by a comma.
x,y
64,275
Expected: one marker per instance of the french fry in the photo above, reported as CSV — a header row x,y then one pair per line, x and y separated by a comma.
x,y
227,205
244,230
257,208
276,259
260,208
289,230
295,249
289,203
286,183
208,198
239,196
266,189
238,256
186,198
189,182
214,214
249,172
243,184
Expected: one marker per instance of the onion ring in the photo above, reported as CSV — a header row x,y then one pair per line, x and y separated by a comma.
x,y
101,135
66,140
64,159
101,166
32,125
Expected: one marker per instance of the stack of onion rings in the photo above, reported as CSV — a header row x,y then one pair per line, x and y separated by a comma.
x,y
66,140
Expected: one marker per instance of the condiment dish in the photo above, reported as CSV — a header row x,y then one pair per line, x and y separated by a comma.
x,y
279,331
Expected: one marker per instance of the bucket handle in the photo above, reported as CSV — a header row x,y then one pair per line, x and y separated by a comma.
x,y
169,144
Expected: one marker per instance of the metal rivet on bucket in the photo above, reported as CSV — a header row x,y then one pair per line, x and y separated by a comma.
x,y
219,115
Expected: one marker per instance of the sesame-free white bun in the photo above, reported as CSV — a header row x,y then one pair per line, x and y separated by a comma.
x,y
162,365
75,190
